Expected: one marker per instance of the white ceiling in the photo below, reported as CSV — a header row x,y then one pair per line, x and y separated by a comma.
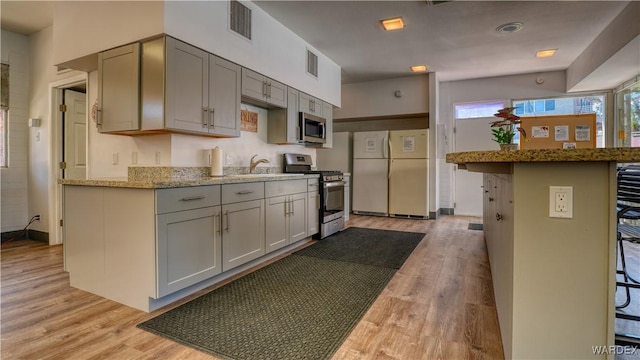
x,y
456,39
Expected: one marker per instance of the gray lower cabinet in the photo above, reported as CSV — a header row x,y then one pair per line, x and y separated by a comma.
x,y
286,220
189,248
243,216
286,215
188,242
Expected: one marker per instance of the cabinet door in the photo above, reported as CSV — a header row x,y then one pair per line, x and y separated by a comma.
x,y
189,248
224,97
277,93
313,215
309,104
328,127
293,117
119,89
297,217
187,87
253,84
276,213
242,233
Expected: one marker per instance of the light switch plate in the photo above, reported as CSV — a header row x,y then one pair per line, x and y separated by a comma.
x,y
561,202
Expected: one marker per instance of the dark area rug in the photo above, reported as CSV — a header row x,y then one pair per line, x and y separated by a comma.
x,y
300,307
385,248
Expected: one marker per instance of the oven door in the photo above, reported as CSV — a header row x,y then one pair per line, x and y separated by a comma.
x,y
332,206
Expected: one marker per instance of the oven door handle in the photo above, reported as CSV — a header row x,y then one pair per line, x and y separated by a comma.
x,y
334,184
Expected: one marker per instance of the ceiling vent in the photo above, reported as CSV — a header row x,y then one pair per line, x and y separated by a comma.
x,y
240,19
312,63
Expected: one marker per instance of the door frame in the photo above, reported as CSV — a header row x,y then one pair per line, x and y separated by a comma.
x,y
56,235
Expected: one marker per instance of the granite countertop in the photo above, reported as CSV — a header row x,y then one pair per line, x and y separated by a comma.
x,y
546,155
162,183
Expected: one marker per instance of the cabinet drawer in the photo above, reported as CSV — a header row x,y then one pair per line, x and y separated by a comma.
x,y
233,193
178,199
313,184
286,187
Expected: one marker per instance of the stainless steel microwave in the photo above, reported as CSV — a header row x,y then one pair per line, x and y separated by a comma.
x,y
312,129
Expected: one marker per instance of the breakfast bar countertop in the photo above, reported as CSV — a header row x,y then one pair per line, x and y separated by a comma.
x,y
175,182
545,155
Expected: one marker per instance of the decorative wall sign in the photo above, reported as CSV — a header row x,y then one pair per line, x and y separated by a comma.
x,y
248,121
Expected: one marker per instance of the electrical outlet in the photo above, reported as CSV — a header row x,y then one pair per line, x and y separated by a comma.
x,y
561,202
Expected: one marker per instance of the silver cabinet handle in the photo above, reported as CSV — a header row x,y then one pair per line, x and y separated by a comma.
x,y
212,116
192,198
293,207
217,223
264,88
269,90
245,192
286,207
205,118
226,215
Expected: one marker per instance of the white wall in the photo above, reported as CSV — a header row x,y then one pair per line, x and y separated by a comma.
x,y
13,187
42,75
486,89
87,27
274,51
194,150
376,98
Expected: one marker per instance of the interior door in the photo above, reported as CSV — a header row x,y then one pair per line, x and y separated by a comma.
x,y
471,135
75,135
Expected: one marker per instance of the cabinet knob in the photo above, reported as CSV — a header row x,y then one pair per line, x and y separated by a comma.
x,y
491,199
498,216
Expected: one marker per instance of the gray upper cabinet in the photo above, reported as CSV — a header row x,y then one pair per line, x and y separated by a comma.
x,y
202,91
263,91
119,89
310,105
283,125
327,113
166,85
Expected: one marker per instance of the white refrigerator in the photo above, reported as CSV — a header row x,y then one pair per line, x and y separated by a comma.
x,y
408,173
370,173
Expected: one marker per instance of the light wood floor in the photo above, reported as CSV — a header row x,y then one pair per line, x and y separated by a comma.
x,y
439,305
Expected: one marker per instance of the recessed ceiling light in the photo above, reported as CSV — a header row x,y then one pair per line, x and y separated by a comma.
x,y
546,53
393,24
419,68
509,28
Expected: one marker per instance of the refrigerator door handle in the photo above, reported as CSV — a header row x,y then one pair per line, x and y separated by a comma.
x,y
385,147
390,168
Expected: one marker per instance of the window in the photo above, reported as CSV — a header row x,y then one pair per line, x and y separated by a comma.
x,y
564,106
628,121
4,108
477,110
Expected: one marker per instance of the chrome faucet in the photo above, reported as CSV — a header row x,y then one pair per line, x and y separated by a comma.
x,y
253,163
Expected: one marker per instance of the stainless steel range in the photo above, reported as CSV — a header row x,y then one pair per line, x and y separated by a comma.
x,y
331,219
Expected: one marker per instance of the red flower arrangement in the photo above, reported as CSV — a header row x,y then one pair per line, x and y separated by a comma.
x,y
505,128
